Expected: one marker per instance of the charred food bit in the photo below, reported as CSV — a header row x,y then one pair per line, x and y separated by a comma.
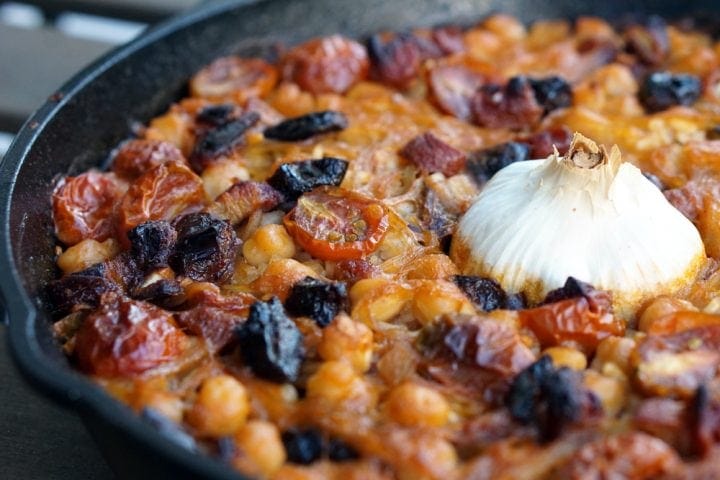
x,y
483,164
648,40
546,397
340,451
221,140
151,244
79,290
205,248
512,105
244,198
303,446
169,429
395,61
436,218
295,178
486,293
270,343
164,292
216,115
306,126
431,154
552,93
662,90
317,299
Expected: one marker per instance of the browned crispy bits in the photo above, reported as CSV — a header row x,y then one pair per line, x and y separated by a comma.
x,y
452,87
83,207
234,78
625,455
243,198
648,40
136,157
126,338
326,65
512,105
161,194
205,248
395,61
431,154
221,140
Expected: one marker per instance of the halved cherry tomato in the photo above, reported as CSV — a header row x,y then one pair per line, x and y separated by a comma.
x,y
336,224
234,78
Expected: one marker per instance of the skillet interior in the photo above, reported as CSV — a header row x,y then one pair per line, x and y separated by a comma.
x,y
88,116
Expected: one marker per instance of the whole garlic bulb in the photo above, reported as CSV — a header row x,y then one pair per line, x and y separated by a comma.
x,y
586,215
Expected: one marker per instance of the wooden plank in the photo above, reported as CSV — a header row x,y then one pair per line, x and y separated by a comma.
x,y
38,439
138,10
36,64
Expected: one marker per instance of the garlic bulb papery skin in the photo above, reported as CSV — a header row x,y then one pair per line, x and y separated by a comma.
x,y
586,215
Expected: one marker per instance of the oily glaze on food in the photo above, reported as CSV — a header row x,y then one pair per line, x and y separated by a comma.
x,y
263,273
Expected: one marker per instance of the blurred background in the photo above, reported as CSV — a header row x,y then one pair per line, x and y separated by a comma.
x,y
44,42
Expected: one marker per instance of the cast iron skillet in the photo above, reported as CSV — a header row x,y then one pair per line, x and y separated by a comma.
x,y
95,110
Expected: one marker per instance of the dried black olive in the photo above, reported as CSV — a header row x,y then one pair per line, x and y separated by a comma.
x,y
303,446
295,178
78,289
486,293
483,164
216,115
169,429
662,90
436,218
306,126
317,299
270,343
516,301
164,292
221,140
340,451
552,93
205,248
713,133
151,244
546,397
573,288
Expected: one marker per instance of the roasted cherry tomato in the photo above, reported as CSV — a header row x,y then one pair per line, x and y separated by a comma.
x,y
83,207
234,78
161,194
326,65
126,337
136,157
336,224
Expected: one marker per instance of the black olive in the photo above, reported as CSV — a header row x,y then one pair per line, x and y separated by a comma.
x,y
662,90
303,446
573,288
483,164
340,451
516,301
546,397
216,115
270,343
221,140
552,93
295,178
306,126
486,293
164,292
169,429
713,133
151,244
317,299
205,248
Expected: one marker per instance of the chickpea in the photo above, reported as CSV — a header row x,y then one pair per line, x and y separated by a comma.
x,y
261,449
349,340
221,407
506,27
435,266
611,390
415,405
567,357
615,350
86,253
379,302
268,242
435,298
661,307
279,277
219,176
335,381
364,287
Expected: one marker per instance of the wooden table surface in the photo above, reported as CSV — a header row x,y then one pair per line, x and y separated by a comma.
x,y
38,439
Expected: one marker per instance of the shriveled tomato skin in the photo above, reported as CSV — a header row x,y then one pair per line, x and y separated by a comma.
x,y
125,337
576,320
234,78
136,157
326,65
161,194
83,207
337,237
